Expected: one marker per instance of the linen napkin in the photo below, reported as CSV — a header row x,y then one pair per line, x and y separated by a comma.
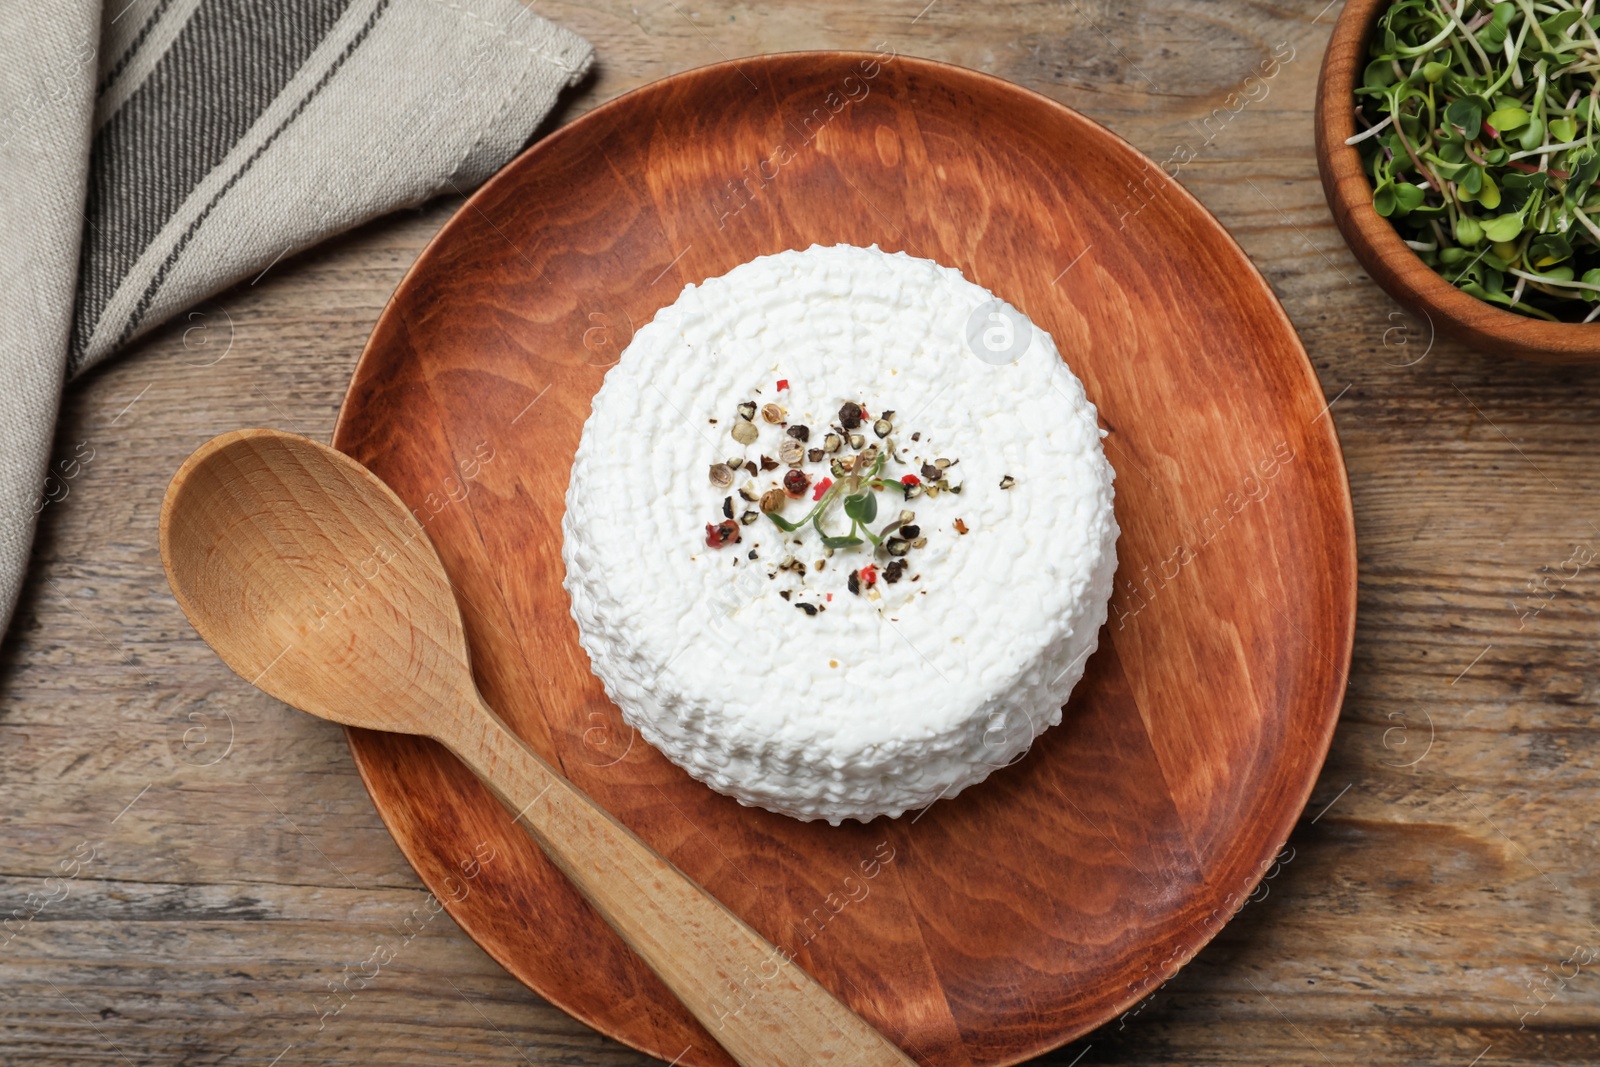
x,y
154,152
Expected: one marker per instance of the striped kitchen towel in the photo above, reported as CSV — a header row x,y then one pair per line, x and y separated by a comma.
x,y
153,152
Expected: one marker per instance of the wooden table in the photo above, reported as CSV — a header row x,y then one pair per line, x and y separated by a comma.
x,y
221,870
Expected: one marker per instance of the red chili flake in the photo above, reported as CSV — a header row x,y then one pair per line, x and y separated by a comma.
x,y
911,479
821,487
783,383
869,574
830,598
723,533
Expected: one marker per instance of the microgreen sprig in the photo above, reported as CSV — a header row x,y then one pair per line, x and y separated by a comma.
x,y
860,507
1482,138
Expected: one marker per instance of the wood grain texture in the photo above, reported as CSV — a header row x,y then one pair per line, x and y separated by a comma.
x,y
1379,247
243,888
318,585
1001,924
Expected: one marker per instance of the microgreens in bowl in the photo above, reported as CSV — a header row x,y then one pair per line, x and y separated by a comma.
x,y
1482,138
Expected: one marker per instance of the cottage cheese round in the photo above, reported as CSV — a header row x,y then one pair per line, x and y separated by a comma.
x,y
863,679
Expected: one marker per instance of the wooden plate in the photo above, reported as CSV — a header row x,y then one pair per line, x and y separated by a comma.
x,y
1041,903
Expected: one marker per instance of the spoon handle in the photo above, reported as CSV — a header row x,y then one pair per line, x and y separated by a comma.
x,y
761,1007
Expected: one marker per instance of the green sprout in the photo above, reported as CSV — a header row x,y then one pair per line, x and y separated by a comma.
x,y
1482,139
860,507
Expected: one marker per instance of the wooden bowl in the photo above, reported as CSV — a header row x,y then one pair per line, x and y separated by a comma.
x,y
1382,251
1039,904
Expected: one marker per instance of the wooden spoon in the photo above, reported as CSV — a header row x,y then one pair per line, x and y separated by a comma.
x,y
311,579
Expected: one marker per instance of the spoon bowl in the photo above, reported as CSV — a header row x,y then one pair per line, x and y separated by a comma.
x,y
307,601
312,580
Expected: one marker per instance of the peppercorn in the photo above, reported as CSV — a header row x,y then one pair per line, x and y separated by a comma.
x,y
723,533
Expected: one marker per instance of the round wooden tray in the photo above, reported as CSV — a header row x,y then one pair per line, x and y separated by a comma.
x,y
1035,906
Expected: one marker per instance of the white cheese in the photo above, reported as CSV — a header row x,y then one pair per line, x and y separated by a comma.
x,y
881,702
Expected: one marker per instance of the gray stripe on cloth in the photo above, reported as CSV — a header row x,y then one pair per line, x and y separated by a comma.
x,y
227,64
133,48
117,39
194,227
